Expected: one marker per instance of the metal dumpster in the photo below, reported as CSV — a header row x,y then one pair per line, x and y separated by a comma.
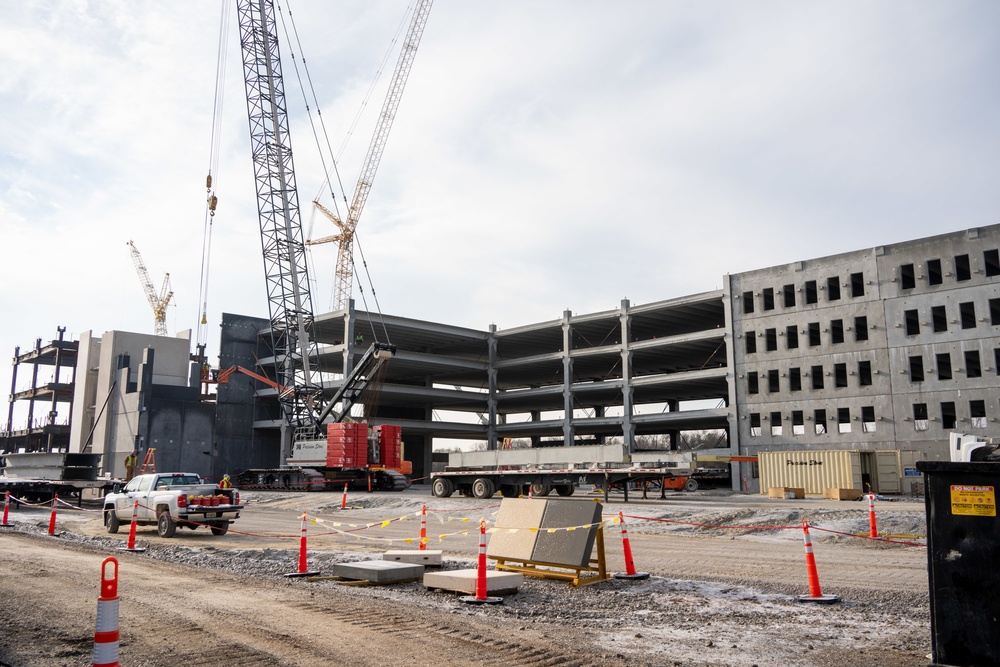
x,y
963,540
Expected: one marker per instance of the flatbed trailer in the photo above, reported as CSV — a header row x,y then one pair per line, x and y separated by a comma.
x,y
514,482
41,490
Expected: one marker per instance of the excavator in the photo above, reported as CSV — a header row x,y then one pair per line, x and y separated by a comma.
x,y
312,427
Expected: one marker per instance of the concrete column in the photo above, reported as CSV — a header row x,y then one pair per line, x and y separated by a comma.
x,y
569,435
13,390
535,416
34,387
491,398
628,427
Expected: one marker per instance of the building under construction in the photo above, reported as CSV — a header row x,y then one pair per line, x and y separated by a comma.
x,y
886,348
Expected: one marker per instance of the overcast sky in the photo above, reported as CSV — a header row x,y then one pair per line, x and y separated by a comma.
x,y
547,155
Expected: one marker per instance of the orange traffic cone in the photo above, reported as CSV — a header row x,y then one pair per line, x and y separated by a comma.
x,y
52,518
303,571
343,501
6,507
480,597
106,632
131,532
872,529
815,593
423,528
630,572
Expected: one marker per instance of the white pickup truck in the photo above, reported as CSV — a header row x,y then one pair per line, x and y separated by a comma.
x,y
171,499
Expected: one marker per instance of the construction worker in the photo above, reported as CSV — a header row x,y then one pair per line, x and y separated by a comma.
x,y
130,462
225,483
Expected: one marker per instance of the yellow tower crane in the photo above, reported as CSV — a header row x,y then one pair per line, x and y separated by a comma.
x,y
344,277
158,302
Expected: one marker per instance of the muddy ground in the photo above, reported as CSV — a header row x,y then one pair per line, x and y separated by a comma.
x,y
725,569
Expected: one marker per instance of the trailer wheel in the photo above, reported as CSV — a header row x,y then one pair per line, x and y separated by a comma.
x,y
510,490
111,522
691,485
442,487
565,490
483,488
165,524
540,489
220,528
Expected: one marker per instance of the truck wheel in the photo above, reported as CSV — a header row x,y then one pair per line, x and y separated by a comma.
x,y
691,485
165,525
565,489
482,488
221,528
540,489
111,522
510,490
442,487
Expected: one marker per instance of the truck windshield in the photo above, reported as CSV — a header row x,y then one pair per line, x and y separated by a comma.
x,y
180,480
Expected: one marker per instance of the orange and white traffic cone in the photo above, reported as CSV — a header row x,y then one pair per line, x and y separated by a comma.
x,y
106,632
343,501
815,592
303,571
872,528
52,518
423,528
6,508
131,531
629,572
480,597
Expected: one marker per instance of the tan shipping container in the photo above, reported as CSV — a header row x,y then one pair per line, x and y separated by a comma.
x,y
813,471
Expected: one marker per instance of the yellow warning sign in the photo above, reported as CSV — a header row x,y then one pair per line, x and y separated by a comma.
x,y
973,500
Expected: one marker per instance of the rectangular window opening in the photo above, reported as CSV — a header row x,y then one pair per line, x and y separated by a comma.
x,y
868,419
753,383
747,302
816,372
860,328
857,284
754,424
977,413
769,299
840,375
912,319
967,310
775,423
943,361
991,258
795,379
917,369
833,288
949,418
811,292
789,293
836,331
820,425
934,276
750,338
814,338
920,420
865,373
963,270
798,423
907,279
772,382
844,420
792,337
973,367
939,318
994,312
771,339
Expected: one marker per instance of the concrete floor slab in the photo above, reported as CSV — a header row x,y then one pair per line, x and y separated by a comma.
x,y
464,581
426,557
378,571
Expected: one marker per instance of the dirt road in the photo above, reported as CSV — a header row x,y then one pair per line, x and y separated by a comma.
x,y
715,598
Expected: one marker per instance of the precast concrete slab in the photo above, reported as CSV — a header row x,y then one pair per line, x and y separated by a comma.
x,y
464,581
378,571
512,537
573,542
426,557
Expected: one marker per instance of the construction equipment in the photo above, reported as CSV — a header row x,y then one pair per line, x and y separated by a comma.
x,y
158,302
299,389
344,276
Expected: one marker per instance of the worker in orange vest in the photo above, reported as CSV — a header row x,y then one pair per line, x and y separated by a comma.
x,y
225,483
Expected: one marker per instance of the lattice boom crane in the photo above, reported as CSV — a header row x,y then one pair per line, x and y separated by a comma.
x,y
158,302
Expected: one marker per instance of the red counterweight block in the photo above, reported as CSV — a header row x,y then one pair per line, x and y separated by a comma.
x,y
390,441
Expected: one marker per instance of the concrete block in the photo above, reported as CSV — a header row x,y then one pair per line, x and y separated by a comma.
x,y
521,514
464,581
426,557
567,547
378,571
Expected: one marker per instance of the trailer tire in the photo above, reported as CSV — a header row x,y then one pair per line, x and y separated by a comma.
x,y
220,528
442,487
111,522
541,489
510,490
565,490
691,485
165,524
483,488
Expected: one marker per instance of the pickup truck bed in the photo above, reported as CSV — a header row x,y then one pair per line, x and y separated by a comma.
x,y
170,501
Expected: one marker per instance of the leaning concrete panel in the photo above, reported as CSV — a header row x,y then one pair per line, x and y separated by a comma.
x,y
567,547
378,571
464,581
513,538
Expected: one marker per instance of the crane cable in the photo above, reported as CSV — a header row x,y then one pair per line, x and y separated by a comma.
x,y
326,139
213,165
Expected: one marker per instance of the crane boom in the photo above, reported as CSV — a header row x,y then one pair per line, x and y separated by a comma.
x,y
285,270
345,253
158,302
